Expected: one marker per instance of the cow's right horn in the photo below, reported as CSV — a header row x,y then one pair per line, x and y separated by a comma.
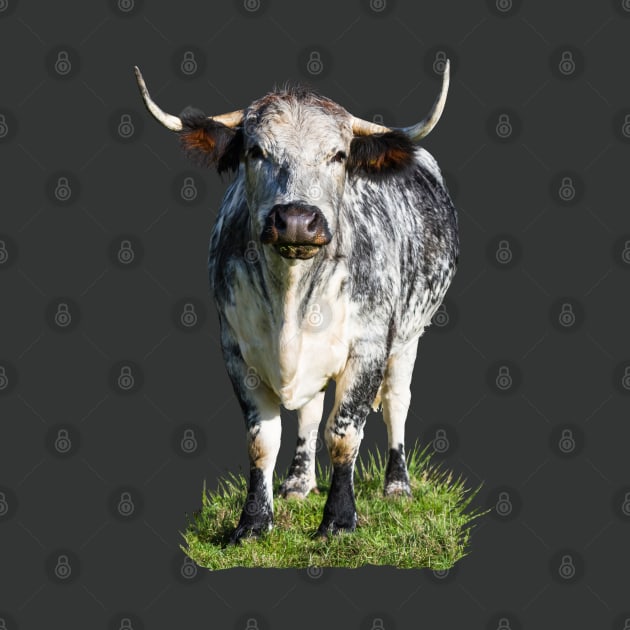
x,y
415,132
174,123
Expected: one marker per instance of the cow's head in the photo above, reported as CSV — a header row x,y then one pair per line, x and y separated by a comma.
x,y
297,150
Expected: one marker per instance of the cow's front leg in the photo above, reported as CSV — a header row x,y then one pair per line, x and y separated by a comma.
x,y
261,409
344,430
301,478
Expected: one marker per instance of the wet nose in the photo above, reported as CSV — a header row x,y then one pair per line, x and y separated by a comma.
x,y
295,224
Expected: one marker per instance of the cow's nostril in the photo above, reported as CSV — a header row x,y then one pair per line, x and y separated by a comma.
x,y
280,221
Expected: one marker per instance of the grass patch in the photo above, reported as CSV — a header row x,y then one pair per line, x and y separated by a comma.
x,y
429,530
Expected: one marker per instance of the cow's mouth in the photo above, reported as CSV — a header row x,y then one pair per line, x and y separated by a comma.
x,y
292,251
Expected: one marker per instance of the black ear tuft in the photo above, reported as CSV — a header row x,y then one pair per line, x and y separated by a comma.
x,y
210,143
380,154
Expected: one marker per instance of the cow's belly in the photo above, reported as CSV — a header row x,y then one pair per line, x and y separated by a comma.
x,y
295,359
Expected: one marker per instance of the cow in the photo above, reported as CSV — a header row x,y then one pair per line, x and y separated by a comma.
x,y
333,247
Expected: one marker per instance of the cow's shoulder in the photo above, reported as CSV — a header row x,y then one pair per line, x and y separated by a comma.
x,y
229,242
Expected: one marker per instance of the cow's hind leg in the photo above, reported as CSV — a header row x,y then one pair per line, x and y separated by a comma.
x,y
356,391
301,478
395,398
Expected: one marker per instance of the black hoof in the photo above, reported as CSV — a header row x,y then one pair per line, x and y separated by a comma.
x,y
397,489
295,487
249,530
336,526
396,475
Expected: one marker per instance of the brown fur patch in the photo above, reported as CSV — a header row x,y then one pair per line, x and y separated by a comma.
x,y
198,140
380,154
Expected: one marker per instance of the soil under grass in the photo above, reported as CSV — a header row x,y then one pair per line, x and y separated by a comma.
x,y
429,530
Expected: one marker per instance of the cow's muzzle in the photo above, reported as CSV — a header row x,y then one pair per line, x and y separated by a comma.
x,y
296,230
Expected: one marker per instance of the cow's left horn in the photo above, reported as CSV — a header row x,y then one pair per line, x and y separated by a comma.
x,y
174,123
418,131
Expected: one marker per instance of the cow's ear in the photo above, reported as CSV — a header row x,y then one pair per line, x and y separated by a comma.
x,y
210,143
380,154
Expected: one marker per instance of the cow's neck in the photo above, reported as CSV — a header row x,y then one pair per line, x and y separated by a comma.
x,y
289,282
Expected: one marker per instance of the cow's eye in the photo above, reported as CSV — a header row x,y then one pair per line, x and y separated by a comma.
x,y
340,156
256,153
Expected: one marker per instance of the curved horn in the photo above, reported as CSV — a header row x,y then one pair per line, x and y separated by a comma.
x,y
415,132
168,120
174,123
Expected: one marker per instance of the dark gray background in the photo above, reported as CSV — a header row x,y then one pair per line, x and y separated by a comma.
x,y
520,388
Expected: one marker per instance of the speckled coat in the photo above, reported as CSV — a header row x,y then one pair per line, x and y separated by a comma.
x,y
353,313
